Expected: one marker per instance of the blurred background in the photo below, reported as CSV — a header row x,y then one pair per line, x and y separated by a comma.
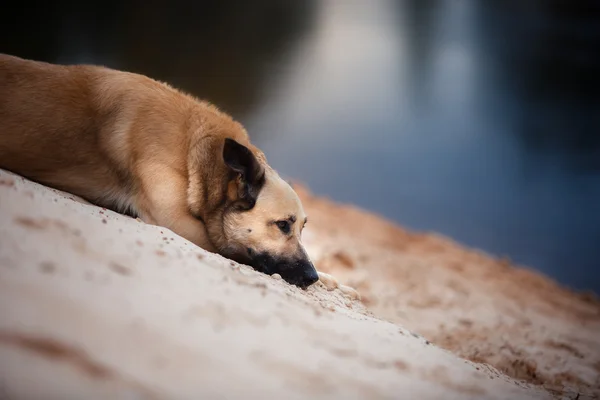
x,y
479,120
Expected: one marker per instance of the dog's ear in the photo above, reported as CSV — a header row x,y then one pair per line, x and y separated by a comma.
x,y
251,174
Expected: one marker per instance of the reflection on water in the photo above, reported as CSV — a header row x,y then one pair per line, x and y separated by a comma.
x,y
476,119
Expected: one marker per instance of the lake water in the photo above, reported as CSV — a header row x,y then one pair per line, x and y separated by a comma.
x,y
478,120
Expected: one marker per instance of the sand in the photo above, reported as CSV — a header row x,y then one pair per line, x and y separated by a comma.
x,y
98,305
482,308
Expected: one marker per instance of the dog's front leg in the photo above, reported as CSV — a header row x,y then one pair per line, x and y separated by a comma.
x,y
187,226
163,201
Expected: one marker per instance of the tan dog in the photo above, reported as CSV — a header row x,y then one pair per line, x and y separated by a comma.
x,y
129,143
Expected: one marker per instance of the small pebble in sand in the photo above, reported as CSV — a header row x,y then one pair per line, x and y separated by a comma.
x,y
350,292
329,281
276,276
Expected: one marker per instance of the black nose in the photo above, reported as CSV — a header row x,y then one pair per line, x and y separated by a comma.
x,y
299,272
309,277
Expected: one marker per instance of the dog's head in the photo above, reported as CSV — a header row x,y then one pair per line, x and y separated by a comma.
x,y
261,221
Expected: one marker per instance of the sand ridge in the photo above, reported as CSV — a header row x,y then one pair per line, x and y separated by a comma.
x,y
94,304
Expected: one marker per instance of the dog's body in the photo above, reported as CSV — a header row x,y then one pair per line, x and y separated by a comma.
x,y
138,146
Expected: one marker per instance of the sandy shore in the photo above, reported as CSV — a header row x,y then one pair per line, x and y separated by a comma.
x,y
94,304
484,309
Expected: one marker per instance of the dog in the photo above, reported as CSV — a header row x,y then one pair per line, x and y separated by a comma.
x,y
141,147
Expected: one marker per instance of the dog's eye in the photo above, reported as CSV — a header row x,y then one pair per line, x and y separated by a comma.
x,y
284,226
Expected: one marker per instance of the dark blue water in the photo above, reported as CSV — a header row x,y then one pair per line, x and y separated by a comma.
x,y
479,120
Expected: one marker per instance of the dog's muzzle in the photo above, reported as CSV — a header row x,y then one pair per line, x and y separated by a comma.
x,y
300,272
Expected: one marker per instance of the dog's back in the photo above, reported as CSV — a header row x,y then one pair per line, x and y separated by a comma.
x,y
40,104
48,122
69,126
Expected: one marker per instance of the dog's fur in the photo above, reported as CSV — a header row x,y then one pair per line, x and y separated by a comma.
x,y
129,143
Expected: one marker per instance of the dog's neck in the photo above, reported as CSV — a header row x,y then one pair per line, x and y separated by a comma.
x,y
212,186
207,177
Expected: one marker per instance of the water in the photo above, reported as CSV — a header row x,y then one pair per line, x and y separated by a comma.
x,y
479,120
